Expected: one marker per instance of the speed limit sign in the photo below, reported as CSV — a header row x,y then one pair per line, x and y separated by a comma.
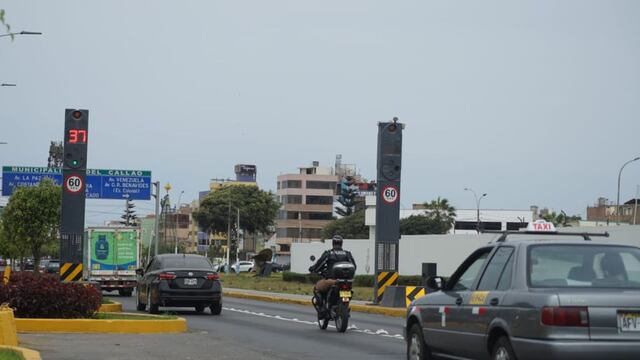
x,y
73,184
390,194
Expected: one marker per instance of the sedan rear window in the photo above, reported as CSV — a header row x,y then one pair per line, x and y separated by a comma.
x,y
186,262
592,266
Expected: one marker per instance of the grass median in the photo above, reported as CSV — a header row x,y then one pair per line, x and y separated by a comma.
x,y
10,355
275,284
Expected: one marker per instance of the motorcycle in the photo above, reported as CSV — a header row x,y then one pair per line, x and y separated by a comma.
x,y
335,303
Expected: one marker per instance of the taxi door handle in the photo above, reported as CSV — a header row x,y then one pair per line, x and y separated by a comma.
x,y
494,302
459,301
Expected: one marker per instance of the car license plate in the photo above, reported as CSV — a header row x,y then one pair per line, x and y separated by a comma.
x,y
191,282
629,321
345,294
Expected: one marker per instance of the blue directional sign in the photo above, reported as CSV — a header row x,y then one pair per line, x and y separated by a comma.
x,y
100,184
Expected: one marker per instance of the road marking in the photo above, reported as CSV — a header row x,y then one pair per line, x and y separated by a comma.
x,y
352,327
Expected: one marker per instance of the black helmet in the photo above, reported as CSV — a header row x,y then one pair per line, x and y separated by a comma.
x,y
336,241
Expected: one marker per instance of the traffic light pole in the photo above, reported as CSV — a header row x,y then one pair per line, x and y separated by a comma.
x,y
387,231
74,169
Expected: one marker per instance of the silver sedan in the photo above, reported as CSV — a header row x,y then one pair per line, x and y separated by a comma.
x,y
532,299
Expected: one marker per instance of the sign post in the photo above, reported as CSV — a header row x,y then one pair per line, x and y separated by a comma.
x,y
387,206
74,169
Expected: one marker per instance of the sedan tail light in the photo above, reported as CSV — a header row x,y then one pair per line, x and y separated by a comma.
x,y
166,276
213,276
565,316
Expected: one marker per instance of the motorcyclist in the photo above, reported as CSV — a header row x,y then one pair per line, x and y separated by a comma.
x,y
324,265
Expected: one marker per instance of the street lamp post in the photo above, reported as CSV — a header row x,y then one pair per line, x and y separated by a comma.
x,y
618,197
478,199
177,219
13,34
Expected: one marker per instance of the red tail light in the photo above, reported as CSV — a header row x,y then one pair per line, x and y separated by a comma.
x,y
345,286
166,276
565,316
213,276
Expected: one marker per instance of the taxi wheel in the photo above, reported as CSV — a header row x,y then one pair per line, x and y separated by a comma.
x,y
416,348
502,350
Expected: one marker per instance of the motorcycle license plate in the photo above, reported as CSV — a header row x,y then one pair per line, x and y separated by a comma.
x,y
191,282
345,293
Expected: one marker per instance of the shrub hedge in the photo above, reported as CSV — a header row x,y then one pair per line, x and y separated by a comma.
x,y
359,280
36,295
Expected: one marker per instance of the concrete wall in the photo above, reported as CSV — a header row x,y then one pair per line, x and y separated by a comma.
x,y
448,250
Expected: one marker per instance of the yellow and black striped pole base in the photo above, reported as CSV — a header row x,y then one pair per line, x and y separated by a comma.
x,y
384,279
414,292
71,272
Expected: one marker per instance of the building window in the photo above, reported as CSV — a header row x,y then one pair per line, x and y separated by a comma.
x,y
319,216
324,185
491,225
292,184
278,185
297,233
466,225
515,226
319,200
291,199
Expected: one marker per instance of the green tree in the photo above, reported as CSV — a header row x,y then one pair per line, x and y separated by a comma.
x,y
561,219
4,23
258,209
347,197
31,219
440,211
349,227
422,225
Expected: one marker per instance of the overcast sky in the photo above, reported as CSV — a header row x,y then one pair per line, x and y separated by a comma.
x,y
533,102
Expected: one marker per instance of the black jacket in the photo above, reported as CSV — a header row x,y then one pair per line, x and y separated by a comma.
x,y
324,265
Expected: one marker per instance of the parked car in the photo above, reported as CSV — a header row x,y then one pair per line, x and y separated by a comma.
x,y
242,266
220,268
527,299
179,280
29,265
53,267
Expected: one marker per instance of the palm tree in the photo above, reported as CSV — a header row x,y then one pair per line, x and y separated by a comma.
x,y
441,211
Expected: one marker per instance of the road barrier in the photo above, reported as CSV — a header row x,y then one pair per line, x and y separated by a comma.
x,y
401,296
71,272
385,280
8,333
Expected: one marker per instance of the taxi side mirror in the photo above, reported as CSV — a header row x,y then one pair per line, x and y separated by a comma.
x,y
436,282
140,272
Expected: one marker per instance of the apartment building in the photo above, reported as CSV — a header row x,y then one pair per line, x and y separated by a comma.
x,y
307,204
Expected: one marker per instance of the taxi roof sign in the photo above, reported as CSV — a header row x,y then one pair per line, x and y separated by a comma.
x,y
541,226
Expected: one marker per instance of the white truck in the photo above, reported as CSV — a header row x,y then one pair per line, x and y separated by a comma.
x,y
112,255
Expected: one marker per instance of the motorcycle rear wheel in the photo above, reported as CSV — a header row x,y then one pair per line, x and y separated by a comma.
x,y
342,317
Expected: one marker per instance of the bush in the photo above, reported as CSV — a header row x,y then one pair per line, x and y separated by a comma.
x,y
358,280
35,295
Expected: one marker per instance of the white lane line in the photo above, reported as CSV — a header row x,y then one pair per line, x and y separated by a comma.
x,y
351,328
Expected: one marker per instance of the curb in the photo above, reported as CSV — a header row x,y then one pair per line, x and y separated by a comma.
x,y
94,326
27,354
369,309
111,308
8,334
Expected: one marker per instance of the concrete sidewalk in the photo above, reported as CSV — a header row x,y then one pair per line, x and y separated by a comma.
x,y
356,305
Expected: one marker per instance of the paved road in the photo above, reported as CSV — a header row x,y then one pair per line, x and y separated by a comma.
x,y
246,329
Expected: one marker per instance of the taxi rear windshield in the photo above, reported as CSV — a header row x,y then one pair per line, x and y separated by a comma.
x,y
591,266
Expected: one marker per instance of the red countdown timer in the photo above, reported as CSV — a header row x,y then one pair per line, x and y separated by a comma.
x,y
77,136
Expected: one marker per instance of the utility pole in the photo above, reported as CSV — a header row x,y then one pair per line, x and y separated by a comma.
x,y
238,239
635,208
228,268
618,197
157,223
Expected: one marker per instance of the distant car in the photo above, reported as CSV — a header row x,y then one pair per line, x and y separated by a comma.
x,y
53,267
220,267
3,262
29,265
276,267
179,280
531,299
242,266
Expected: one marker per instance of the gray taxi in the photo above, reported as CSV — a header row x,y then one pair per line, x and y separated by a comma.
x,y
544,298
